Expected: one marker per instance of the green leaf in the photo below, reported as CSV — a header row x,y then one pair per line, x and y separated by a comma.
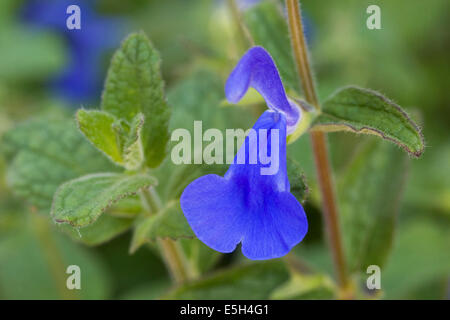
x,y
104,229
252,281
366,111
369,194
81,201
196,97
201,258
181,176
119,141
168,223
129,207
420,251
269,29
133,152
34,258
429,185
98,128
306,287
46,152
33,57
134,85
297,181
147,291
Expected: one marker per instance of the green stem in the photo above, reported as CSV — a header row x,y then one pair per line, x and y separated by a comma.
x,y
173,255
319,144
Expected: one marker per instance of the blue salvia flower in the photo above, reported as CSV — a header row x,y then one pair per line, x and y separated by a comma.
x,y
81,79
246,206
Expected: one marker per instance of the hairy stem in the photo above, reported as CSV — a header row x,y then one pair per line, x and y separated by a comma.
x,y
321,157
173,255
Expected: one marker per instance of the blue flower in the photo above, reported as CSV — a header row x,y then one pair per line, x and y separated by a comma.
x,y
81,79
247,206
256,69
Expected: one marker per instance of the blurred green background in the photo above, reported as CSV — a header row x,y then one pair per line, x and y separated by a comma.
x,y
407,60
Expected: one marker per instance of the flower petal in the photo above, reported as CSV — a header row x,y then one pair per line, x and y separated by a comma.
x,y
256,69
277,227
273,173
212,207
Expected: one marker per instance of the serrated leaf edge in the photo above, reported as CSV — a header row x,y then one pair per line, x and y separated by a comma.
x,y
103,209
333,127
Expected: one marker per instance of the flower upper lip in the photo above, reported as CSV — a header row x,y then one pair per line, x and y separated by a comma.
x,y
256,69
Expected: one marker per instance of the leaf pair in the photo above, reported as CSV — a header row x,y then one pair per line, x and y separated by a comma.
x,y
46,152
119,141
132,128
50,155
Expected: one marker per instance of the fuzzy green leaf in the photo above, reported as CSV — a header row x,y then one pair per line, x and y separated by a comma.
x,y
369,195
118,140
365,111
81,201
134,85
98,128
133,152
45,153
252,281
168,223
104,229
269,29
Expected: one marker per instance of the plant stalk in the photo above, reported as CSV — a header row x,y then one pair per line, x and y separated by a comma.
x,y
319,145
174,257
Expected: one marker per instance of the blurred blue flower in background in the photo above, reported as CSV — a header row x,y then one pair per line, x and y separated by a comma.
x,y
81,79
246,4
249,206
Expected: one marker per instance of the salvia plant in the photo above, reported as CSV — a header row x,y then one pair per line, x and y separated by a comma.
x,y
109,170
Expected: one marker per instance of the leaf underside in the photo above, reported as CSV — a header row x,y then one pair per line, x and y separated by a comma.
x,y
134,85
